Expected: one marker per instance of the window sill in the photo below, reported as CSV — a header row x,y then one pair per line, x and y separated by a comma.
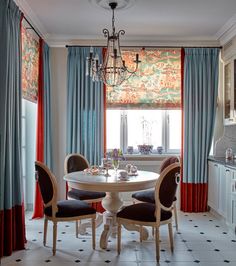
x,y
148,157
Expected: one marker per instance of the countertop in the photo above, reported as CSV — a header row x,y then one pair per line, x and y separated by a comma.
x,y
223,161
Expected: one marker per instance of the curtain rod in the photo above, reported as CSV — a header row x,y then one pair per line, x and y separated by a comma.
x,y
161,46
32,27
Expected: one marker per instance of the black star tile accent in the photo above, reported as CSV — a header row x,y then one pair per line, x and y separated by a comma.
x,y
178,233
233,240
190,250
227,261
40,232
107,261
59,240
224,233
186,215
47,261
163,250
184,240
196,226
109,240
81,250
34,240
201,233
204,215
209,240
133,233
197,261
210,220
18,260
83,240
108,250
167,261
134,241
216,250
63,233
190,220
77,261
217,226
67,225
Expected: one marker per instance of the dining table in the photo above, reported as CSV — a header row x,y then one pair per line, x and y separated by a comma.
x,y
112,202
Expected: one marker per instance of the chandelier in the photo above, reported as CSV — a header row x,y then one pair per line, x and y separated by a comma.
x,y
113,70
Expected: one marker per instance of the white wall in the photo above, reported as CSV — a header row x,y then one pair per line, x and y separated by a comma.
x,y
59,98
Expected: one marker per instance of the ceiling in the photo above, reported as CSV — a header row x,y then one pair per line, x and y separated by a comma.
x,y
207,22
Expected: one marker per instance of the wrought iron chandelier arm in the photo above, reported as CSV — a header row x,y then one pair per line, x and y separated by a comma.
x,y
106,33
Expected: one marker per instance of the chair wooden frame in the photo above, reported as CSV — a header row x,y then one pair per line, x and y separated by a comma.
x,y
174,209
54,219
99,219
157,223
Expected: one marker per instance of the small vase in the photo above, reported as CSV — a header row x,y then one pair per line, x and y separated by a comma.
x,y
115,164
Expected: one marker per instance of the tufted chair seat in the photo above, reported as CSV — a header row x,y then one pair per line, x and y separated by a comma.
x,y
84,194
70,208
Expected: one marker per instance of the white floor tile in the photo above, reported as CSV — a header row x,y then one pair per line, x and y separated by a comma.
x,y
202,239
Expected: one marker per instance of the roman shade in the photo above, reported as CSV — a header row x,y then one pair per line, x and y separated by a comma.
x,y
156,84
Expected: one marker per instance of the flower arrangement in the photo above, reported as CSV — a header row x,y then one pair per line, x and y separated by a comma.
x,y
116,155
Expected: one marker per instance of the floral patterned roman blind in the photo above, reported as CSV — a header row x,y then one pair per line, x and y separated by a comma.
x,y
30,65
156,84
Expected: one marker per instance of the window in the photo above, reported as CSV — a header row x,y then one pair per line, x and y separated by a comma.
x,y
145,109
136,127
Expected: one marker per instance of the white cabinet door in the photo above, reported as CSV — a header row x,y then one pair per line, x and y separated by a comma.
x,y
213,185
222,190
229,176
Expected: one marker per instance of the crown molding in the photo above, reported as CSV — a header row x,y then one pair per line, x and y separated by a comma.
x,y
63,40
227,32
32,17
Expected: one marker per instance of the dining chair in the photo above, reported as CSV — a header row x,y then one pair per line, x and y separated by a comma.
x,y
149,196
76,162
60,211
150,214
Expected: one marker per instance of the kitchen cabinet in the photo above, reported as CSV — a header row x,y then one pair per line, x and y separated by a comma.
x,y
222,208
222,191
230,92
213,185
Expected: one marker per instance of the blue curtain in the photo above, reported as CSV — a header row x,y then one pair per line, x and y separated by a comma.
x,y
200,94
47,106
200,97
85,107
11,190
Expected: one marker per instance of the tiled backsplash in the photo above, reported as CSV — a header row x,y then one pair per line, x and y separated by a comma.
x,y
228,140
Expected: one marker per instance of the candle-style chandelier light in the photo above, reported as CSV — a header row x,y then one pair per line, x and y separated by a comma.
x,y
113,70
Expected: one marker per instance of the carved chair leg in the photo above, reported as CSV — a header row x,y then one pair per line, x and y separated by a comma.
x,y
118,237
76,228
157,238
45,229
171,236
176,216
54,238
141,233
93,232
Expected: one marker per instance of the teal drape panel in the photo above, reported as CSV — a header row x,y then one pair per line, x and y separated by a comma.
x,y
10,106
47,106
12,223
85,107
200,97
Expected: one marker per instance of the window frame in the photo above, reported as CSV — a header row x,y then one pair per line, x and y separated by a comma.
x,y
165,134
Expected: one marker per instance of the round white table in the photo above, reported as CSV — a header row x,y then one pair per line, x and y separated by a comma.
x,y
112,203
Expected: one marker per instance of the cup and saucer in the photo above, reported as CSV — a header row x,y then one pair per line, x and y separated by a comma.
x,y
123,175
